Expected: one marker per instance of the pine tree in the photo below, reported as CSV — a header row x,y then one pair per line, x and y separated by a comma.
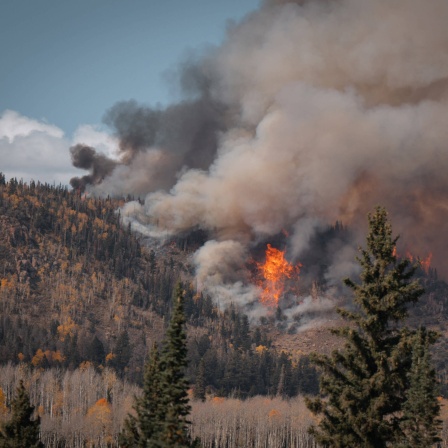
x,y
173,365
21,431
200,383
122,352
95,351
421,409
161,413
363,386
143,429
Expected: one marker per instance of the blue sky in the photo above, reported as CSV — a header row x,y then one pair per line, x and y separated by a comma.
x,y
68,61
64,63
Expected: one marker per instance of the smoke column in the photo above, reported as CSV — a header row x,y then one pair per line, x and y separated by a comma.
x,y
308,113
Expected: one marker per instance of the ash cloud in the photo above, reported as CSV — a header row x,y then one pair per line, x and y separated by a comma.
x,y
310,112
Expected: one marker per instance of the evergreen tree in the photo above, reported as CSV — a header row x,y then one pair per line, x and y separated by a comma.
x,y
307,377
200,384
122,352
161,413
143,429
363,387
421,409
173,365
21,431
95,351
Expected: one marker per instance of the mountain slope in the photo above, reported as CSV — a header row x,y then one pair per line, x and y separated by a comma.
x,y
77,287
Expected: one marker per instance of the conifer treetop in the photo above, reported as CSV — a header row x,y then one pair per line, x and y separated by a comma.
x,y
386,287
365,385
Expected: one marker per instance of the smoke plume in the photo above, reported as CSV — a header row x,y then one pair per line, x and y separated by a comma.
x,y
310,112
87,158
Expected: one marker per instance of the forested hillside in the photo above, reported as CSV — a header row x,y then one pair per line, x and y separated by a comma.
x,y
82,300
77,287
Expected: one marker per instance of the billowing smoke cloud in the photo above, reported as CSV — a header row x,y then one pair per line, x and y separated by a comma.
x,y
221,271
310,112
87,158
157,144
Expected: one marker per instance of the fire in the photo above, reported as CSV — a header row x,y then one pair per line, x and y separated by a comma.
x,y
425,263
273,274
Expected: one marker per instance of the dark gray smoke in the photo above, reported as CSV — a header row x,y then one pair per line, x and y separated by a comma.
x,y
156,144
86,157
136,126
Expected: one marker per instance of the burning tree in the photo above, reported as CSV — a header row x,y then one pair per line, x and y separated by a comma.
x,y
370,396
273,274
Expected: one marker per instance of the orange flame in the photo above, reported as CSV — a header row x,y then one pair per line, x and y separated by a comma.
x,y
425,263
274,272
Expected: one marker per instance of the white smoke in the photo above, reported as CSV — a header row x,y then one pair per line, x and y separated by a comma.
x,y
312,312
221,271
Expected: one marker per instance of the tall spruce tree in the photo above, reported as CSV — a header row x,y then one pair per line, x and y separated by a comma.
x,y
365,385
161,413
143,429
174,362
21,431
420,423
